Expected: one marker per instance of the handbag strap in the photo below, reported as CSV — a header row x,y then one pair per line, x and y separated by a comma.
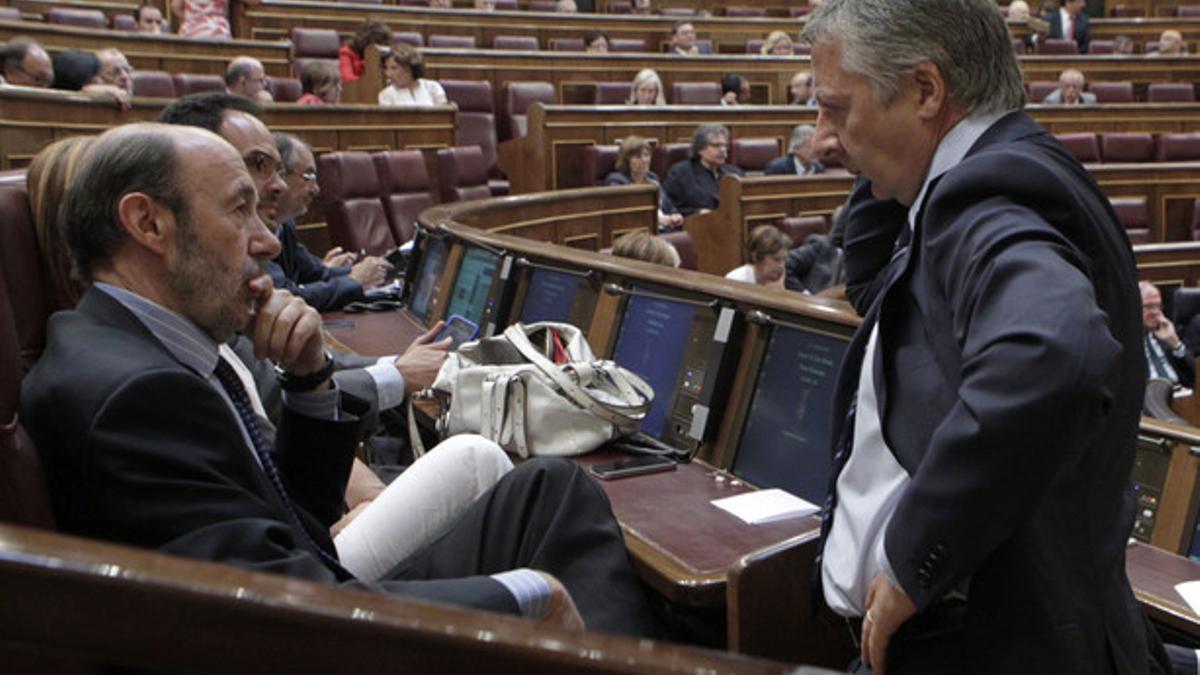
x,y
614,415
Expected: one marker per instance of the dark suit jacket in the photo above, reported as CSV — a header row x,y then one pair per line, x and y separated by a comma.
x,y
1010,384
304,274
786,166
1185,366
664,202
1082,33
140,450
691,187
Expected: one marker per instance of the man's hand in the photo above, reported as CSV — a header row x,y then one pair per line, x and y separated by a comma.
x,y
371,271
1165,332
561,610
337,257
888,608
286,330
419,364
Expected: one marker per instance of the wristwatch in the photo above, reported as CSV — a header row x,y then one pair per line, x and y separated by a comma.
x,y
309,382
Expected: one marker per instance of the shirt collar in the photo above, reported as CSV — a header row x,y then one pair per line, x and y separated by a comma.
x,y
950,151
183,339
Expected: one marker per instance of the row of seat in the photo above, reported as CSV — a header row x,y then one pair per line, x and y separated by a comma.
x,y
161,84
1065,47
1121,92
1091,148
749,154
371,200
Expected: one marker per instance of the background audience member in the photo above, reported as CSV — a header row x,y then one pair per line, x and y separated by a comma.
x,y
1170,43
50,174
633,168
642,7
595,41
24,63
1070,90
246,77
441,4
321,82
485,5
147,19
800,89
114,70
405,70
1071,23
778,43
683,40
816,265
566,7
202,18
692,184
350,54
801,159
767,251
1166,355
1018,11
735,90
76,70
1122,45
642,245
646,89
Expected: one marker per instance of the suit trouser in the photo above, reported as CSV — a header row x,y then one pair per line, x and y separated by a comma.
x,y
548,515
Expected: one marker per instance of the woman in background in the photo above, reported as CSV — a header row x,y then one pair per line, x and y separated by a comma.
x,y
767,251
778,43
642,245
646,89
350,56
405,70
633,168
321,82
203,18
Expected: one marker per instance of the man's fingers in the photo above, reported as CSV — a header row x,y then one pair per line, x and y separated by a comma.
x,y
427,337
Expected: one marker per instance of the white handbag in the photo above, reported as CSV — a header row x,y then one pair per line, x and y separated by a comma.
x,y
506,388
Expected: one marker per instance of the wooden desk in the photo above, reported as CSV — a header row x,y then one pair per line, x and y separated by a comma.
x,y
171,53
1153,573
32,118
373,333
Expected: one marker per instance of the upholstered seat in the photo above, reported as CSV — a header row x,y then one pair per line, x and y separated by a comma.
x,y
753,154
462,174
404,189
799,228
515,99
1134,216
153,83
284,89
350,200
612,93
598,162
71,16
189,83
1178,147
526,43
1083,146
1171,92
452,41
1112,92
477,124
696,93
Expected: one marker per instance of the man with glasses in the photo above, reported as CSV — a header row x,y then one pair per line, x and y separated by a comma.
x,y
24,63
327,284
115,70
246,77
692,184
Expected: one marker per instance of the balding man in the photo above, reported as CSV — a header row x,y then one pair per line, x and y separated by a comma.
x,y
148,19
1167,357
1170,43
155,444
1070,90
115,70
24,63
800,89
246,77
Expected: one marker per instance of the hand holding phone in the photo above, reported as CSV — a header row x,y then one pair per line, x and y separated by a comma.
x,y
459,330
633,466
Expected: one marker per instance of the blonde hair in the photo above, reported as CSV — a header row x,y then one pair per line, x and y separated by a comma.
x,y
642,245
50,174
646,75
766,240
774,39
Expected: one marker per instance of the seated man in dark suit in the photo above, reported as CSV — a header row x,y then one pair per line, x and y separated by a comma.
x,y
1167,357
155,443
338,279
692,184
1071,23
683,40
801,159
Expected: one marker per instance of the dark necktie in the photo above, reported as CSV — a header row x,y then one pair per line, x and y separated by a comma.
x,y
241,402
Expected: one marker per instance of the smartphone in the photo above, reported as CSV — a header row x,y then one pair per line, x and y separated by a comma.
x,y
459,329
633,466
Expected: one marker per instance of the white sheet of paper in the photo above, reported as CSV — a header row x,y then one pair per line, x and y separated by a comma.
x,y
1190,590
766,506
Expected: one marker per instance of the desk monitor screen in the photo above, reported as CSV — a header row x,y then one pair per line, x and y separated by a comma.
x,y
473,286
669,343
550,297
785,441
433,261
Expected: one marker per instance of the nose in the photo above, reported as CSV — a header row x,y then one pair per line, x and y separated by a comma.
x,y
825,143
263,244
275,186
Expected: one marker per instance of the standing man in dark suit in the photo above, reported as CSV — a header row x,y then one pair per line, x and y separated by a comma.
x,y
1070,23
801,158
991,397
155,443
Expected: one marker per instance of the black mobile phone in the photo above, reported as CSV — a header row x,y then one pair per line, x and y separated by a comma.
x,y
633,466
459,329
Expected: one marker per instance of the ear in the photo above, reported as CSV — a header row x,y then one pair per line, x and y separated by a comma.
x,y
931,90
147,222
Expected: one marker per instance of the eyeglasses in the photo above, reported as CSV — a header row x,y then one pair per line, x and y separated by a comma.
x,y
262,165
309,176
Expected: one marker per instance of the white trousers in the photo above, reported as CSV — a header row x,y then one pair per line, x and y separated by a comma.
x,y
420,505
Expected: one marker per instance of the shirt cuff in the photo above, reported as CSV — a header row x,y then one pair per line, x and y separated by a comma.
x,y
321,404
531,591
389,383
1179,351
